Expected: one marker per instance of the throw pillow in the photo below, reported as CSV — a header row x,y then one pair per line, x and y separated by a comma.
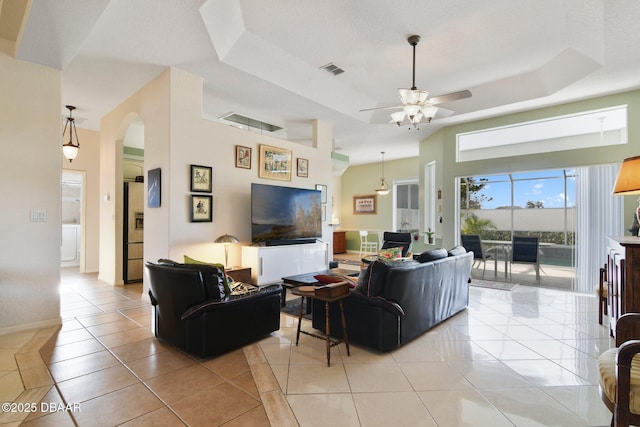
x,y
390,253
432,255
458,250
227,288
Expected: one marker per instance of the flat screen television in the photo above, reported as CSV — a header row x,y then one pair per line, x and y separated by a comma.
x,y
285,215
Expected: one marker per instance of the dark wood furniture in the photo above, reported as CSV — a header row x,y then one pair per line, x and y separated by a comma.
x,y
339,242
623,265
310,293
239,274
309,279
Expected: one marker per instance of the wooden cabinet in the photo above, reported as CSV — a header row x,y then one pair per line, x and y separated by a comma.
x,y
239,274
339,242
623,265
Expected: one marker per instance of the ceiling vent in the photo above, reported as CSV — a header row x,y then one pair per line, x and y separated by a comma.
x,y
332,69
247,122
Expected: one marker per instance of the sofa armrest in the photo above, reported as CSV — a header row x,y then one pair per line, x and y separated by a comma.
x,y
229,302
388,305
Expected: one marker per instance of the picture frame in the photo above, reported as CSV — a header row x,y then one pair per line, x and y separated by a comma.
x,y
201,208
275,163
302,169
243,157
153,188
365,205
324,213
323,192
201,179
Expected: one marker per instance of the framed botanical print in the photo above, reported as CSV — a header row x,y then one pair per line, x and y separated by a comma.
x,y
275,163
201,179
303,168
201,208
365,204
243,157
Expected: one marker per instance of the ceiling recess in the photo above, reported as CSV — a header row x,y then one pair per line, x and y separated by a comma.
x,y
249,122
332,69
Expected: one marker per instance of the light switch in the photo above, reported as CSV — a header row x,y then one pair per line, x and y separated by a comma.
x,y
38,216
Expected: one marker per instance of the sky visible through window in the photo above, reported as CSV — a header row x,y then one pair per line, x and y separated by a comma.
x,y
547,187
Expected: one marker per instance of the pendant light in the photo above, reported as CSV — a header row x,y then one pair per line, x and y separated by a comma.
x,y
70,150
383,189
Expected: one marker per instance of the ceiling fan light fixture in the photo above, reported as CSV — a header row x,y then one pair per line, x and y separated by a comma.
x,y
413,96
398,117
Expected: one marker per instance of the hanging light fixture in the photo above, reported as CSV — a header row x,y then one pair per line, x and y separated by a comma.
x,y
70,150
383,189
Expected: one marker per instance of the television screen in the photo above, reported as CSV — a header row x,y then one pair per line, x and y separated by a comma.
x,y
281,215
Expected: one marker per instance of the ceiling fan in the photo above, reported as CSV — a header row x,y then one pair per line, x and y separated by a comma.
x,y
416,104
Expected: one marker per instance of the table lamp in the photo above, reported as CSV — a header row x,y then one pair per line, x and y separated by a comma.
x,y
628,180
226,240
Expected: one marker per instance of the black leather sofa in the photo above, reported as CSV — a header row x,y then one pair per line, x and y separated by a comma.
x,y
194,313
396,302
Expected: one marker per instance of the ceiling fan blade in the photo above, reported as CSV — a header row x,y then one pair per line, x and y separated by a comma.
x,y
383,108
450,97
443,112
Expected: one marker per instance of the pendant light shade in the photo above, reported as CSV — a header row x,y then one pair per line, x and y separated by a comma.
x,y
383,188
70,150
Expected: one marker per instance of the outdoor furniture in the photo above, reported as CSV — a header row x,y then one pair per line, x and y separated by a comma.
x,y
525,250
472,243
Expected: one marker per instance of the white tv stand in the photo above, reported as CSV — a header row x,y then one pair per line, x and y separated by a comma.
x,y
269,264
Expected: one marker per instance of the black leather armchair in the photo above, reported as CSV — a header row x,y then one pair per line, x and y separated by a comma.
x,y
192,315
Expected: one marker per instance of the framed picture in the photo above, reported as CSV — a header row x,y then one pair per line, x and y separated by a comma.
x,y
323,189
324,213
303,168
275,163
201,208
365,204
153,188
243,157
201,179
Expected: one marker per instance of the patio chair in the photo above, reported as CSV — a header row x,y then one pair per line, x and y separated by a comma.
x,y
525,250
472,243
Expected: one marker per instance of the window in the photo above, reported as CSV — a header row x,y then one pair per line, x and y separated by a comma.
x,y
407,205
597,128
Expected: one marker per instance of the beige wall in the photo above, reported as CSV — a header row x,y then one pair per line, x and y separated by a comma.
x,y
88,162
441,147
30,168
176,137
362,180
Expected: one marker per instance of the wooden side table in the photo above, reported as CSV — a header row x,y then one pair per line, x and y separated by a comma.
x,y
339,242
310,292
239,274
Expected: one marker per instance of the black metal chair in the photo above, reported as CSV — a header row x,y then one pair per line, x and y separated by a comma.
x,y
397,240
472,243
525,250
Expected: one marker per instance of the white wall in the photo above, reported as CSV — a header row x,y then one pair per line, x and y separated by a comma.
x,y
176,136
30,174
88,161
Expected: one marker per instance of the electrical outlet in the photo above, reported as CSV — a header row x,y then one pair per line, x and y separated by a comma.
x,y
38,216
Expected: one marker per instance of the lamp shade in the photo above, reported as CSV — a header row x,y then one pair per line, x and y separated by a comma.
x,y
227,238
628,180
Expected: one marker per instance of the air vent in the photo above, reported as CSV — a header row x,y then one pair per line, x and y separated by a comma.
x,y
332,68
250,123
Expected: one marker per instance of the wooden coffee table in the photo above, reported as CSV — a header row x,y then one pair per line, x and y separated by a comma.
x,y
308,279
309,292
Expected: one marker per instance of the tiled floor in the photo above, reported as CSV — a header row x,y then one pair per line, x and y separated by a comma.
x,y
525,357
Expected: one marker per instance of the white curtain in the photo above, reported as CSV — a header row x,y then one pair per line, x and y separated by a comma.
x,y
599,214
